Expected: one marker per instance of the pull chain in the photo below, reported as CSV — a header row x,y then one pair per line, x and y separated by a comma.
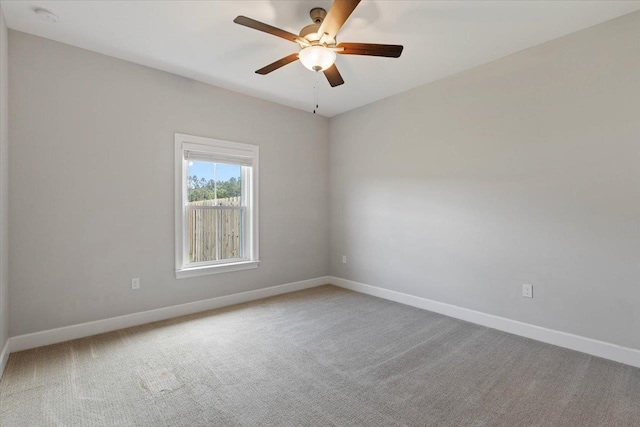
x,y
315,92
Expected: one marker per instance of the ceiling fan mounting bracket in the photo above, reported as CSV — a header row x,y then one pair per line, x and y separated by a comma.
x,y
317,15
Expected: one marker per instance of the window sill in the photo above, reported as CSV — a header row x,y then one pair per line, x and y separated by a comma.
x,y
215,269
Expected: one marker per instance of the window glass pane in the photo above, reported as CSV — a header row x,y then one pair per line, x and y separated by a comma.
x,y
214,211
217,182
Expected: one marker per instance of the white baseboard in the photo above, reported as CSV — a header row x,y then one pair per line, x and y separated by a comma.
x,y
590,346
53,336
4,357
562,339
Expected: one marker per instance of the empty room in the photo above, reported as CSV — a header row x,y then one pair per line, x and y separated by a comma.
x,y
320,213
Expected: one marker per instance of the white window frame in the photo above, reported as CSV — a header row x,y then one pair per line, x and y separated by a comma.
x,y
216,147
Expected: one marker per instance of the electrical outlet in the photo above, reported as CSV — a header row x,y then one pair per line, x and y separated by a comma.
x,y
135,283
344,259
527,291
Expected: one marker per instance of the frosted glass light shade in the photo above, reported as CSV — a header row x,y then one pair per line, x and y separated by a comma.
x,y
317,58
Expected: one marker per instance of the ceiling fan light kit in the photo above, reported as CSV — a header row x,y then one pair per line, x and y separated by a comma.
x,y
317,58
318,41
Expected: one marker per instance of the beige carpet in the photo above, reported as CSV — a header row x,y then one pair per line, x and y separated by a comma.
x,y
320,357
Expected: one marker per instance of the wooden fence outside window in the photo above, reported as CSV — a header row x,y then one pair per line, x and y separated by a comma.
x,y
214,229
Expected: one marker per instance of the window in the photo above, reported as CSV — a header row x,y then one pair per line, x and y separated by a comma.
x,y
216,206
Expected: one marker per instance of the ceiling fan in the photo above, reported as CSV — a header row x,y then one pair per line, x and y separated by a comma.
x,y
318,41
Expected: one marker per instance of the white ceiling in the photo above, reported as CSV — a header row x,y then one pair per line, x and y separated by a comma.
x,y
198,39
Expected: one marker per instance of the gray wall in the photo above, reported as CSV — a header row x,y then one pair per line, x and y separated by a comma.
x,y
523,170
91,200
4,183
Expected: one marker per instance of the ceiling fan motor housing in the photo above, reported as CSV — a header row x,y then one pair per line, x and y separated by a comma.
x,y
310,32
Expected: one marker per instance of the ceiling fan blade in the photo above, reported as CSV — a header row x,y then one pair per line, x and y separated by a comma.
x,y
333,75
260,26
336,17
279,63
387,50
